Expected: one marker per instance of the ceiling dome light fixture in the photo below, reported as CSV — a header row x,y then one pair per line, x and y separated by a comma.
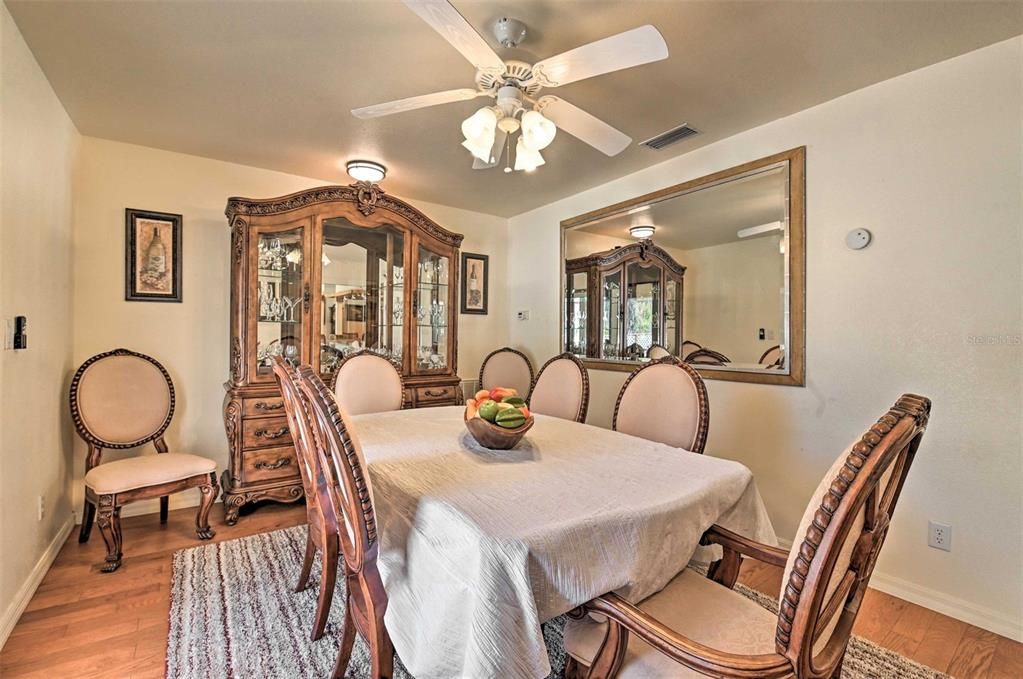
x,y
537,131
642,231
365,171
479,130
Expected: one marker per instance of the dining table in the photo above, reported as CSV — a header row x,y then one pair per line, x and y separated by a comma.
x,y
479,547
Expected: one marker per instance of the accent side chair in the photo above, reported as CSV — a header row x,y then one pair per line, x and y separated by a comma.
x,y
366,382
561,389
507,367
122,399
697,626
640,409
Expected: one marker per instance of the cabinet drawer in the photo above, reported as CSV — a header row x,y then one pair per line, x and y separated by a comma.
x,y
265,432
269,463
262,407
436,394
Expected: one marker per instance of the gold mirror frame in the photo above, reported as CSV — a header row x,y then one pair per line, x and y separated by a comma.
x,y
796,254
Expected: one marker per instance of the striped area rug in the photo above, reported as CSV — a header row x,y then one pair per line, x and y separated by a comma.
x,y
234,615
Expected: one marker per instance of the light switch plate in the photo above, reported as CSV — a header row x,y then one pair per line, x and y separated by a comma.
x,y
522,315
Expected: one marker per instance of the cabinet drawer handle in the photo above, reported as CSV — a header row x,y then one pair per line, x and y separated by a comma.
x,y
431,392
276,464
263,405
267,434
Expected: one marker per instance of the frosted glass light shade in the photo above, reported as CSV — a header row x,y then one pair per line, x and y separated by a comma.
x,y
479,130
537,131
526,158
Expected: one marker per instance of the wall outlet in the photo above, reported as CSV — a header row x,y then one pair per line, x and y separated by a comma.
x,y
42,507
939,536
522,315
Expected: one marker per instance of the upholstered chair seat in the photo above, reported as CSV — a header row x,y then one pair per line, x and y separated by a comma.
x,y
507,367
149,470
366,382
692,605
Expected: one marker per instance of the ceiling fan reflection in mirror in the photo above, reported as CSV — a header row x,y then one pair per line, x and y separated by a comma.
x,y
514,85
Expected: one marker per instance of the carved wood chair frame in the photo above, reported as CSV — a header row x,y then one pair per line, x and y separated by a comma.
x,y
369,352
495,352
108,506
703,402
705,356
343,494
890,444
584,401
319,537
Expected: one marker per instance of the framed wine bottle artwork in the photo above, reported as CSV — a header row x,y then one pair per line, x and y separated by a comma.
x,y
152,261
475,283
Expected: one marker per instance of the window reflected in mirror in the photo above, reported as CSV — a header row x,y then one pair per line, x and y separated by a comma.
x,y
701,274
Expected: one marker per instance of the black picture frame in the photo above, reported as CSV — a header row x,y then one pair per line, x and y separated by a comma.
x,y
142,283
475,301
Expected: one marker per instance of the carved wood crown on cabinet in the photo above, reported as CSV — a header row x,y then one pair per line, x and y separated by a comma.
x,y
263,464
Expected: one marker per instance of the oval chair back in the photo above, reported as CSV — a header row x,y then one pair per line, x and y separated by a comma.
x,y
507,367
706,356
366,382
648,391
840,536
773,357
561,389
657,351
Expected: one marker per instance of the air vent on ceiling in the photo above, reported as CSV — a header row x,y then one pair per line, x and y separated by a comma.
x,y
672,136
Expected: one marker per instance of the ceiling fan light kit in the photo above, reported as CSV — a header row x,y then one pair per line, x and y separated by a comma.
x,y
514,86
365,171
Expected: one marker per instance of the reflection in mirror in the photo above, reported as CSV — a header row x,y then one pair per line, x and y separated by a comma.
x,y
700,273
363,291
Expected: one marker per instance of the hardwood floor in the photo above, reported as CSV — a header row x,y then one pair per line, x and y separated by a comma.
x,y
83,623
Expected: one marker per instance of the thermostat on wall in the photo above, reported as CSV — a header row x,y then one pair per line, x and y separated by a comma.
x,y
857,239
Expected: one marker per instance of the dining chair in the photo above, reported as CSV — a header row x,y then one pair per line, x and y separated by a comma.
x,y
640,409
507,367
699,626
688,347
657,351
773,357
705,356
561,389
318,538
122,399
347,502
366,382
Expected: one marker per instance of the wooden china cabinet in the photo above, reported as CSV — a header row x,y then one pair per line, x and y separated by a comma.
x,y
621,301
316,275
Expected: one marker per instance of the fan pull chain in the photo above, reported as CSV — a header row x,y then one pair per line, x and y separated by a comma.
x,y
507,154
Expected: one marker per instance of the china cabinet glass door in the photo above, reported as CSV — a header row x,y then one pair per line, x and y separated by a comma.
x,y
643,309
362,284
577,295
431,312
671,315
281,298
611,314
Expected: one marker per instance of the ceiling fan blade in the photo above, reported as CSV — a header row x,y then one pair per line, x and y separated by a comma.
x,y
583,126
453,27
496,151
412,103
625,50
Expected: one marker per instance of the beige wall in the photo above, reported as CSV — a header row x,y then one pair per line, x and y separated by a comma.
x,y
191,338
931,163
730,292
37,147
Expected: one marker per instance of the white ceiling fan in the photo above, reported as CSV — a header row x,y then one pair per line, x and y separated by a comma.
x,y
515,85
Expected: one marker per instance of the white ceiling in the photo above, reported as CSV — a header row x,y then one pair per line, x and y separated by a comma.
x,y
706,217
270,83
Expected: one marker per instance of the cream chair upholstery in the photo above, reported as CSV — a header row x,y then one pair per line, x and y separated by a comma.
x,y
562,389
656,351
697,626
122,399
507,367
664,401
366,382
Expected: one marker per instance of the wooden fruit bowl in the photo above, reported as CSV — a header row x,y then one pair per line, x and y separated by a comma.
x,y
490,435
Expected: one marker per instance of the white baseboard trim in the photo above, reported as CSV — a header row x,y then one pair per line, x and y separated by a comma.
x,y
24,595
954,607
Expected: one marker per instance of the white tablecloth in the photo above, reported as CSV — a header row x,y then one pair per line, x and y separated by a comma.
x,y
479,547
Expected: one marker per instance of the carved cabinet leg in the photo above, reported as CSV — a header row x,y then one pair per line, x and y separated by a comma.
x,y
88,514
202,518
109,522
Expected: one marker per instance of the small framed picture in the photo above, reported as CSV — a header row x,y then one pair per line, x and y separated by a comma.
x,y
475,283
152,256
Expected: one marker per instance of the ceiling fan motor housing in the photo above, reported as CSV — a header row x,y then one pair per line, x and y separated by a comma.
x,y
509,99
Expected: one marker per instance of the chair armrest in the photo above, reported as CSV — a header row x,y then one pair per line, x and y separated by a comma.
x,y
681,649
716,535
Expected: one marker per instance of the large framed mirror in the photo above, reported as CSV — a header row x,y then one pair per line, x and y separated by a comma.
x,y
712,271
